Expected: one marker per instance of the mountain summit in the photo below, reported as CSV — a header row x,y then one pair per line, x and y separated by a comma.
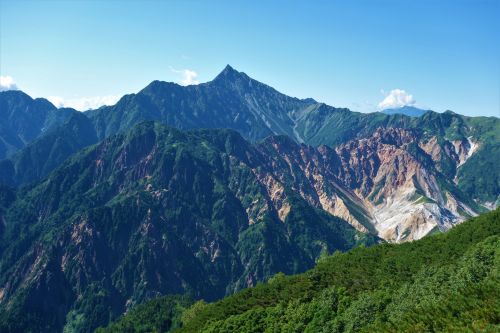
x,y
229,73
232,100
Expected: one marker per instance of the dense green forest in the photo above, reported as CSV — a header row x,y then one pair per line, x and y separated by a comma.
x,y
442,283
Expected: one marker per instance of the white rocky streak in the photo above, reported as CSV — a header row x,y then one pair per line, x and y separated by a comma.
x,y
473,147
464,151
456,206
296,134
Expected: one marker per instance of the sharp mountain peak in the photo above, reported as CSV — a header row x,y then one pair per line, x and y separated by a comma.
x,y
229,74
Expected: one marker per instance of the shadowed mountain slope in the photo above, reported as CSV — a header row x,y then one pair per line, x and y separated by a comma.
x,y
23,119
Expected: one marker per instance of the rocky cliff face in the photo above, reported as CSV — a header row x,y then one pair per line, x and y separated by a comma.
x,y
402,186
385,184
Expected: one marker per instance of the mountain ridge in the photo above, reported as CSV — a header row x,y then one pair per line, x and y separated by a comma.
x,y
234,100
24,119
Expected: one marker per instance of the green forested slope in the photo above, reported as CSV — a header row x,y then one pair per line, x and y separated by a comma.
x,y
152,212
162,314
442,283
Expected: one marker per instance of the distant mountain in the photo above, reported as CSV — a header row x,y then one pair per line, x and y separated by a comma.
x,y
23,119
41,156
407,110
232,100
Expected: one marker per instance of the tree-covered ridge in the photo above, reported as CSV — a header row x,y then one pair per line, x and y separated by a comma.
x,y
162,314
442,283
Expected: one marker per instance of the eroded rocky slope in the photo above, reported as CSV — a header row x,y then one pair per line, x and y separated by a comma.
x,y
385,184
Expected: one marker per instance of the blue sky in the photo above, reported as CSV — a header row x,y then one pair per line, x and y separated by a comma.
x,y
445,54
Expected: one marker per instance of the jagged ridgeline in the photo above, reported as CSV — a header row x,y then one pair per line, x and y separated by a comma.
x,y
442,283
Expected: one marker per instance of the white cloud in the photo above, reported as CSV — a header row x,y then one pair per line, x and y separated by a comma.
x,y
56,100
80,103
395,99
188,76
83,103
7,83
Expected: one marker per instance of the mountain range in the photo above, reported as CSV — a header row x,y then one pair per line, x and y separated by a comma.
x,y
207,189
